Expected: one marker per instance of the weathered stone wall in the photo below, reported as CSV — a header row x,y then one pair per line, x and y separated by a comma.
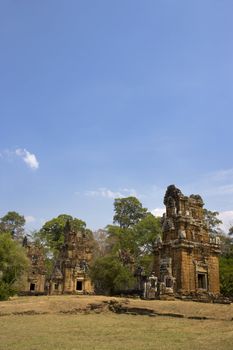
x,y
213,263
71,271
35,279
186,242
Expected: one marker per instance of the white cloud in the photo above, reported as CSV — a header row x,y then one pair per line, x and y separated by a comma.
x,y
130,192
227,219
29,219
221,175
226,189
215,184
158,211
107,193
28,158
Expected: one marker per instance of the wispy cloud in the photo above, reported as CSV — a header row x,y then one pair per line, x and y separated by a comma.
x,y
221,175
29,158
227,219
220,190
158,211
107,193
29,219
215,184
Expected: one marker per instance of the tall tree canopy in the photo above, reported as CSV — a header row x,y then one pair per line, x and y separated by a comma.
x,y
53,231
213,222
136,241
128,211
13,223
147,231
129,244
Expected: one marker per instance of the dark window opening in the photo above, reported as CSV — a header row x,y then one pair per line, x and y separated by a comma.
x,y
168,282
32,287
79,285
202,280
56,285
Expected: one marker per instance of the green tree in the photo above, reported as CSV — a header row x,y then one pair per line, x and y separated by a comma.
x,y
14,223
147,231
122,244
128,211
134,245
53,231
226,264
110,276
226,276
13,263
213,222
129,245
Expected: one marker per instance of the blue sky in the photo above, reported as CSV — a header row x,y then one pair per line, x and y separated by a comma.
x,y
100,99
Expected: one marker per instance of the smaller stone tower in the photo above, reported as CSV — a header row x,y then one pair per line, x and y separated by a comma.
x,y
187,258
35,280
70,275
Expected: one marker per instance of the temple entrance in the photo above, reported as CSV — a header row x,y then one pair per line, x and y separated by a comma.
x,y
202,280
79,286
32,287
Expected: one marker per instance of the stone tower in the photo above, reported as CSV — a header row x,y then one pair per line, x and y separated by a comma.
x,y
35,279
187,258
70,275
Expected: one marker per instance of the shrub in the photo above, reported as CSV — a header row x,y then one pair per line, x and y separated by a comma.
x,y
13,264
110,276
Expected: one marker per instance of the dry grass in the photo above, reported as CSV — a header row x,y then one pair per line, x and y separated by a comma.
x,y
55,331
112,332
55,304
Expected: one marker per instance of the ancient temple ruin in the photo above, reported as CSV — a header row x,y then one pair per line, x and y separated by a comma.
x,y
35,279
70,275
186,258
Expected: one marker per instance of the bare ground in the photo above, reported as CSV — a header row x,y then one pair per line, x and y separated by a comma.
x,y
66,303
68,323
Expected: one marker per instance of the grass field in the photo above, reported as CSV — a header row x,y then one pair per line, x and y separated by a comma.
x,y
56,330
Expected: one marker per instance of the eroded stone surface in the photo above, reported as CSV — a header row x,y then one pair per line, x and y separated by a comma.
x,y
71,271
187,258
35,279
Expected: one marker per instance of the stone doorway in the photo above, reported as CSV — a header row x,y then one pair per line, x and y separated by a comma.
x,y
32,287
79,286
202,281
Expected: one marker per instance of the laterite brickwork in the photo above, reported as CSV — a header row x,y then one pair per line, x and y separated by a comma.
x,y
187,255
70,275
35,279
